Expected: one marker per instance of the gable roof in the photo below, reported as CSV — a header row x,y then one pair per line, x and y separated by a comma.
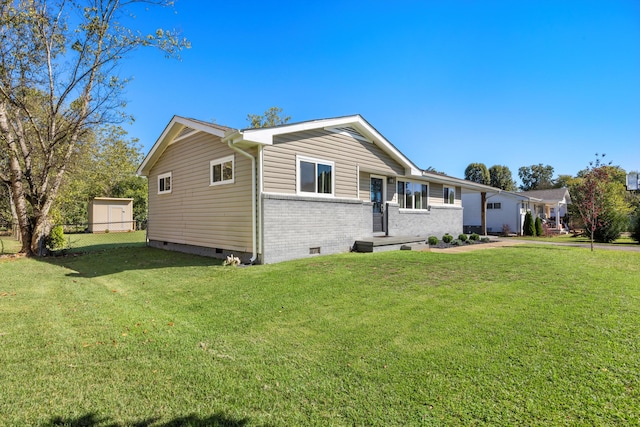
x,y
356,126
178,128
466,185
554,195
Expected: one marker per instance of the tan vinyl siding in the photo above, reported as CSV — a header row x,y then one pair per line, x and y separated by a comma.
x,y
436,194
196,213
346,152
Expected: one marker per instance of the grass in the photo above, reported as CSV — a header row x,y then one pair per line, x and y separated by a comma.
x,y
522,335
624,240
85,242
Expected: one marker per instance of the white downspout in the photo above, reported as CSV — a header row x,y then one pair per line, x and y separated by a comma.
x,y
254,254
259,200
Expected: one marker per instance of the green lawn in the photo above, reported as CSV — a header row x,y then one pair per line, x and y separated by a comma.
x,y
522,335
569,238
85,242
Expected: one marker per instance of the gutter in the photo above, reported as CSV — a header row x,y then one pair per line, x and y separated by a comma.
x,y
254,214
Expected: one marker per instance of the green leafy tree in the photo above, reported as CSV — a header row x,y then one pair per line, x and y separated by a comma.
x,y
598,199
563,181
106,168
536,177
431,169
272,117
58,81
501,177
477,172
528,228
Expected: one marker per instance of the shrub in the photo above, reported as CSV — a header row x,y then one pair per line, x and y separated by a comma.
x,y
613,224
635,226
56,239
506,230
456,242
485,240
474,237
538,226
447,238
433,240
529,227
463,237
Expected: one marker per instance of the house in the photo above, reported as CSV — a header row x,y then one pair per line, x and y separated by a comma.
x,y
111,214
505,210
291,191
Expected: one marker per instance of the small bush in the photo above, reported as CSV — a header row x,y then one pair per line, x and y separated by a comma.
x,y
635,226
433,240
613,224
447,238
529,227
56,239
475,237
456,242
506,230
539,230
485,240
463,237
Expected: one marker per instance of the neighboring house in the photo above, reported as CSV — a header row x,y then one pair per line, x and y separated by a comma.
x,y
290,191
505,210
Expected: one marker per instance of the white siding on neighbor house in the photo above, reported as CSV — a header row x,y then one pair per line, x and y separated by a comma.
x,y
507,215
472,209
195,213
348,154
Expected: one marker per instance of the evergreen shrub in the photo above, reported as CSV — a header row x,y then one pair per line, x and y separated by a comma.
x,y
529,228
539,229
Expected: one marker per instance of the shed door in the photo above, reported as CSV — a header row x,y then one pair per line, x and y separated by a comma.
x,y
117,218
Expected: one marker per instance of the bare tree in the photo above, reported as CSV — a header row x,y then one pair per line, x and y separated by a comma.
x,y
58,80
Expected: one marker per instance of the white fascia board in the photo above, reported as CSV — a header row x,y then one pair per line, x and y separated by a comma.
x,y
264,136
465,184
201,126
370,132
175,125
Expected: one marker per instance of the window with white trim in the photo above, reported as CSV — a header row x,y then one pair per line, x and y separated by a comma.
x,y
496,205
221,171
412,195
449,195
315,177
164,183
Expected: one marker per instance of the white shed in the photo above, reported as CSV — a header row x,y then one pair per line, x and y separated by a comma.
x,y
110,214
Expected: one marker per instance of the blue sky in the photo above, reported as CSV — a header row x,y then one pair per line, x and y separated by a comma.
x,y
449,83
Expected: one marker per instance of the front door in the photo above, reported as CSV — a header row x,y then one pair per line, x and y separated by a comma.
x,y
377,197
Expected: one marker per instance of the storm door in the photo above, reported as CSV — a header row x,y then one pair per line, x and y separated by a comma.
x,y
377,198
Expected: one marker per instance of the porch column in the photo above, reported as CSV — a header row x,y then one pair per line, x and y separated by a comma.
x,y
483,214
